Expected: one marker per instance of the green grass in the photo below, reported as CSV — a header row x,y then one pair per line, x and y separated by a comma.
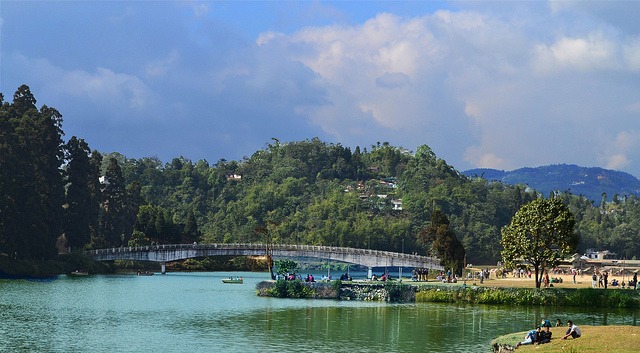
x,y
595,339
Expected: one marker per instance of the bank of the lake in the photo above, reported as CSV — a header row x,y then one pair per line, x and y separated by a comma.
x,y
435,292
619,339
11,268
575,297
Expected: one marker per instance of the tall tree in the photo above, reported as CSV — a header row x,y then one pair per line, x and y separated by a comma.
x,y
95,189
50,153
30,169
190,232
133,200
113,221
443,241
80,203
8,179
541,233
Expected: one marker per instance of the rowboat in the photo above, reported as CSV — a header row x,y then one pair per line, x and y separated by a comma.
x,y
79,273
232,280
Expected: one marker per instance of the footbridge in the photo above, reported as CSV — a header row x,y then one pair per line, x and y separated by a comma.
x,y
173,252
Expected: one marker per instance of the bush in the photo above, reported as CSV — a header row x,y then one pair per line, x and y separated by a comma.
x,y
522,296
435,295
291,289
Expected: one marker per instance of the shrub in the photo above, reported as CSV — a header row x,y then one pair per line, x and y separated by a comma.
x,y
435,295
523,296
291,289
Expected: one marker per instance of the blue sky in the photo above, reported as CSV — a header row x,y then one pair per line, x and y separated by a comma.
x,y
485,84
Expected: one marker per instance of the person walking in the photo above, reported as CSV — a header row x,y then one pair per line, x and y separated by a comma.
x,y
546,279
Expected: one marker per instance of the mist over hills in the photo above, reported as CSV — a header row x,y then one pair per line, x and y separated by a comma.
x,y
590,182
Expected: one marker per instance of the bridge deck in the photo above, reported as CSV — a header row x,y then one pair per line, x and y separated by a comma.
x,y
173,252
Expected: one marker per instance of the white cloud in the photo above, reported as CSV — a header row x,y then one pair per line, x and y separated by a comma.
x,y
159,68
502,85
491,91
200,9
486,160
593,52
617,162
619,152
631,54
106,85
103,87
374,65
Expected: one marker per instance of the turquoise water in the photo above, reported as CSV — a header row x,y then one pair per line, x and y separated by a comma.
x,y
195,312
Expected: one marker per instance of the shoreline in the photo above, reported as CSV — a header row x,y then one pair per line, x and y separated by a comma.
x,y
616,338
436,292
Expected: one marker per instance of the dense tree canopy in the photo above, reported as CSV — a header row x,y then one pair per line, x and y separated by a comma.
x,y
540,234
81,211
31,186
305,192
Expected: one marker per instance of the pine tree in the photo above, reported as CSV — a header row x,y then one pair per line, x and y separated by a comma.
x,y
114,207
80,203
95,206
30,169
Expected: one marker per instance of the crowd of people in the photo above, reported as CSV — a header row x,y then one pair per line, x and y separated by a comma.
x,y
384,277
600,279
420,274
542,334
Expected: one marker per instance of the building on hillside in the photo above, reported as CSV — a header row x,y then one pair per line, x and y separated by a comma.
x,y
592,254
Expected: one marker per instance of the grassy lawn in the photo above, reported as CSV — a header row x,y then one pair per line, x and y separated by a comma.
x,y
597,339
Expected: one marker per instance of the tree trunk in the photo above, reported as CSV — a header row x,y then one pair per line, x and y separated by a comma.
x,y
538,278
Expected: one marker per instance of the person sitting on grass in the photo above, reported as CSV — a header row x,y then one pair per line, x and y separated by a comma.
x,y
544,336
530,338
573,331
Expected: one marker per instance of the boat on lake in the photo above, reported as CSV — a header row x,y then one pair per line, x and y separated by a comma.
x,y
79,273
145,273
232,280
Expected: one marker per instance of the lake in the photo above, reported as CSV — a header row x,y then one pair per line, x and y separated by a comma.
x,y
196,312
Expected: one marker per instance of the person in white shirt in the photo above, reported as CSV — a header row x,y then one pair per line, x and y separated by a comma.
x,y
573,331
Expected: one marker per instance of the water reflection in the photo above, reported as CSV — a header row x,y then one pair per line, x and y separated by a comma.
x,y
196,312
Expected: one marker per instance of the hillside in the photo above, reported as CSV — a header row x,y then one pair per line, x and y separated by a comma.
x,y
589,182
60,195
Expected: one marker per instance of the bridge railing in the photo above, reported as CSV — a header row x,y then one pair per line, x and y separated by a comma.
x,y
255,246
259,246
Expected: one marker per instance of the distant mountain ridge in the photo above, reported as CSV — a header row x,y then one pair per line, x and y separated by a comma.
x,y
588,181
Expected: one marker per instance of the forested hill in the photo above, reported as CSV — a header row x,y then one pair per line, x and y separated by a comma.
x,y
589,182
58,195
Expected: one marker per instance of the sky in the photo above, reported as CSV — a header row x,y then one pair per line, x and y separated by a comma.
x,y
485,84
